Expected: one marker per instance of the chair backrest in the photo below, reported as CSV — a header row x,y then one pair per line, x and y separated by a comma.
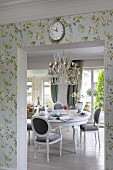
x,y
35,110
41,109
58,106
40,126
96,115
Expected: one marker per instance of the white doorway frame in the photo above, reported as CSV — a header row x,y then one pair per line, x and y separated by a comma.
x,y
22,97
21,109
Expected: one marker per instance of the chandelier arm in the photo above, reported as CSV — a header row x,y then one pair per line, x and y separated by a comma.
x,y
63,66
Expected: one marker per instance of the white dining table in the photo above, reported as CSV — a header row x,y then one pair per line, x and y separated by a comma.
x,y
71,118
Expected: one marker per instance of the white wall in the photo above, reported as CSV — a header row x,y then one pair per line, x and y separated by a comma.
x,y
93,63
37,89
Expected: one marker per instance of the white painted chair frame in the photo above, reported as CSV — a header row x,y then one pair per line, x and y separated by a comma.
x,y
47,143
96,132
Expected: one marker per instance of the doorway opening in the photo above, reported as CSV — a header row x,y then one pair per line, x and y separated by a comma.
x,y
22,118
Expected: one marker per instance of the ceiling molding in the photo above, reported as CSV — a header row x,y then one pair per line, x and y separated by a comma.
x,y
19,3
26,10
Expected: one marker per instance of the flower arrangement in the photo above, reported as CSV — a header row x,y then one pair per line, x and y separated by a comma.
x,y
77,96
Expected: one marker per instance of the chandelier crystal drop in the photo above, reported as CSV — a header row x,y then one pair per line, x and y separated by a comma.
x,y
63,67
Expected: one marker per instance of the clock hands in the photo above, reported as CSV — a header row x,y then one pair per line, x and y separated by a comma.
x,y
56,29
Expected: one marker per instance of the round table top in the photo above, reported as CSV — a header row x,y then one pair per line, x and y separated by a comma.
x,y
70,117
66,118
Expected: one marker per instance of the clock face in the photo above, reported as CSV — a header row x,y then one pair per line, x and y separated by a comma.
x,y
56,31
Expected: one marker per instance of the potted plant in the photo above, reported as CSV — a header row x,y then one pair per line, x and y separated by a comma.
x,y
89,92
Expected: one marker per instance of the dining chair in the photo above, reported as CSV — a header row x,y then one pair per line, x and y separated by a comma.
x,y
29,126
94,128
41,109
29,129
44,135
58,106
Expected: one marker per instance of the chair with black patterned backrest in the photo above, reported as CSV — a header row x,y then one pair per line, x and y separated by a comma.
x,y
29,129
58,106
29,126
41,109
44,135
92,127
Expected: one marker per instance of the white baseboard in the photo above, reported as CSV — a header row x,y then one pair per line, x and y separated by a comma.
x,y
6,168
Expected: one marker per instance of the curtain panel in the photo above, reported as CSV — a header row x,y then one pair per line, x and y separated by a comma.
x,y
54,91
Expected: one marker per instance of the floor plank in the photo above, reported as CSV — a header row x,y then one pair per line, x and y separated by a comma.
x,y
89,158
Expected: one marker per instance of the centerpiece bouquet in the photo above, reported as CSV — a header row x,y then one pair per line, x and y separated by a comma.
x,y
78,100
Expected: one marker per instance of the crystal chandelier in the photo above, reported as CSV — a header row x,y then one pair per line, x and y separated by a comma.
x,y
63,67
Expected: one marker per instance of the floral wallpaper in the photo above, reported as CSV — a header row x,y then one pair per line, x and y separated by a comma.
x,y
78,28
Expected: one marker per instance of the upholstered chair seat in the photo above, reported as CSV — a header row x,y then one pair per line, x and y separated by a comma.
x,y
29,128
52,137
89,127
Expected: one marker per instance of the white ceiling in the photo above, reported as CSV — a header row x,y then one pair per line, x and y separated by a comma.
x,y
78,50
25,10
76,53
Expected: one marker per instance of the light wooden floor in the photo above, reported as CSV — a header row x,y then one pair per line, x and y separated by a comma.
x,y
91,158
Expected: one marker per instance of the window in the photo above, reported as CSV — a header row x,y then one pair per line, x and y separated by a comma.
x,y
47,94
29,91
89,84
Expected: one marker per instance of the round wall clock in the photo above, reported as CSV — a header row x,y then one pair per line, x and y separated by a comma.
x,y
56,31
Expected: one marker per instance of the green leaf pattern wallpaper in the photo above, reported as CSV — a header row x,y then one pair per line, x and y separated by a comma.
x,y
78,28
